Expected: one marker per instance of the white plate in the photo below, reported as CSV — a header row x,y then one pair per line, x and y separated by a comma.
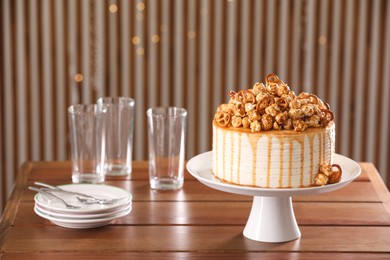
x,y
82,212
200,167
97,190
82,223
82,216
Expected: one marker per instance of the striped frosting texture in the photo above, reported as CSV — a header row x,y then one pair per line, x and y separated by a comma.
x,y
272,159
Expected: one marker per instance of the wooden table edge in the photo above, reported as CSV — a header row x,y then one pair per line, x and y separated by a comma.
x,y
13,202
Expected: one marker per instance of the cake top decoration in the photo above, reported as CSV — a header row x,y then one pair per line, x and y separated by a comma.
x,y
273,106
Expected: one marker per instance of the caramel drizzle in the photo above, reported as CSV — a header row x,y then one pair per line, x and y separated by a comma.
x,y
281,163
231,156
253,142
322,141
290,164
269,161
239,158
302,161
216,151
224,155
311,140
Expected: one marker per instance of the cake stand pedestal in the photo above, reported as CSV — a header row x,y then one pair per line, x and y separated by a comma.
x,y
272,216
272,219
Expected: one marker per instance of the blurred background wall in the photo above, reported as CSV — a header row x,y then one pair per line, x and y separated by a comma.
x,y
55,53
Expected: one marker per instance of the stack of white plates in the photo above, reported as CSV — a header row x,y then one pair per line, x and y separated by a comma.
x,y
86,215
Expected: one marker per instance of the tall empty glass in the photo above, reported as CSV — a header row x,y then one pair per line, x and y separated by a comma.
x,y
119,134
87,141
166,135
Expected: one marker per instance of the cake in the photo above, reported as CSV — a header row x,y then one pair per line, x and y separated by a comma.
x,y
269,137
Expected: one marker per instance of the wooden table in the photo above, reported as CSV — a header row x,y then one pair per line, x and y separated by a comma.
x,y
197,221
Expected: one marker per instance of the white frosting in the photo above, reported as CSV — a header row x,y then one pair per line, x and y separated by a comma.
x,y
274,159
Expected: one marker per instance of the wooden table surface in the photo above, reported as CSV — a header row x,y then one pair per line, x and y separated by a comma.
x,y
197,221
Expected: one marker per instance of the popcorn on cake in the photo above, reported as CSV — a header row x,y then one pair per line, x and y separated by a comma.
x,y
273,106
268,136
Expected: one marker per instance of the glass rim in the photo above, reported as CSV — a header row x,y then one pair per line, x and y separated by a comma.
x,y
164,111
87,108
121,100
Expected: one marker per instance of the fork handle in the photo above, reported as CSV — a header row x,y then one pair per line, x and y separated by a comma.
x,y
54,196
66,191
46,185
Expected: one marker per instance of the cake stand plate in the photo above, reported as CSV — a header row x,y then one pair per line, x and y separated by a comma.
x,y
272,216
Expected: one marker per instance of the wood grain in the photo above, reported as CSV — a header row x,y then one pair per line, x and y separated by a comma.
x,y
198,221
192,238
194,255
195,191
13,202
231,213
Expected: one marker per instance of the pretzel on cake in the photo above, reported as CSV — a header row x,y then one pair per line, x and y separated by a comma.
x,y
326,117
265,102
222,119
247,96
283,103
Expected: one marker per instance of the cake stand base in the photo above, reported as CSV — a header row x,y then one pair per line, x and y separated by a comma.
x,y
272,216
272,219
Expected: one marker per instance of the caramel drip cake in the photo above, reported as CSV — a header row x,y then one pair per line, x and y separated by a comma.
x,y
269,137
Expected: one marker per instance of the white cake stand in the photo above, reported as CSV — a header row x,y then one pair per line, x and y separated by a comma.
x,y
272,216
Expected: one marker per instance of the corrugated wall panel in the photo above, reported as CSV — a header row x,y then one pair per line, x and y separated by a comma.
x,y
20,84
384,165
296,45
139,82
360,81
373,80
178,43
244,41
166,43
2,145
47,78
270,35
258,41
346,77
231,41
190,81
335,52
85,32
99,54
322,51
189,54
283,39
60,82
9,161
204,74
112,46
309,47
152,62
217,54
34,86
2,168
74,74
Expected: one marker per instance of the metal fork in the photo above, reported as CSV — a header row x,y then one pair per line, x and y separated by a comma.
x,y
88,198
99,201
68,205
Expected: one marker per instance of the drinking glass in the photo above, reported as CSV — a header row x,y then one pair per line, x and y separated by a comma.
x,y
87,141
166,142
119,134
